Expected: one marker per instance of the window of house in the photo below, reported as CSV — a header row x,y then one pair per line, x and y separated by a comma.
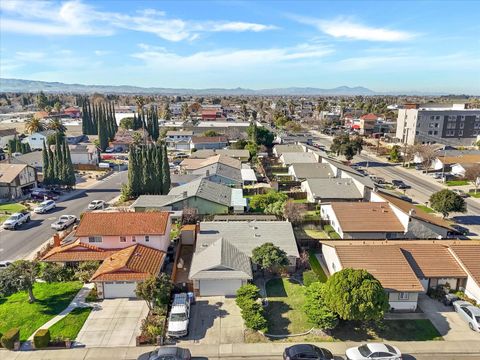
x,y
451,125
417,132
435,132
94,239
460,132
430,132
432,117
437,117
123,239
333,266
462,125
403,296
450,133
134,239
436,125
431,125
147,238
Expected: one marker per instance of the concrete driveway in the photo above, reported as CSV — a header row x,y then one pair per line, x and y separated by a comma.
x,y
446,320
215,320
113,322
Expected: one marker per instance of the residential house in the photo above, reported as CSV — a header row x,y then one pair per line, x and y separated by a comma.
x,y
132,246
16,179
278,150
6,135
363,220
74,139
37,139
325,190
367,123
73,112
204,195
445,162
302,172
220,169
178,140
208,142
298,158
212,113
460,169
239,154
467,255
224,243
84,154
124,138
386,263
33,159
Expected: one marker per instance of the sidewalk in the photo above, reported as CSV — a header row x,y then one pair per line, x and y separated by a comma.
x,y
78,301
250,351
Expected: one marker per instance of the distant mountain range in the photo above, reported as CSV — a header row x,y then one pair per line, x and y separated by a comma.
x,y
19,85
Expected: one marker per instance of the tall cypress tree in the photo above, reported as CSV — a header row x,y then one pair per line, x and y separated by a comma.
x,y
51,165
46,165
165,171
70,171
58,159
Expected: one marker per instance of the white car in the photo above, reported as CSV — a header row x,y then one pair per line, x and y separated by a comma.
x,y
45,206
64,222
96,204
374,351
468,313
15,220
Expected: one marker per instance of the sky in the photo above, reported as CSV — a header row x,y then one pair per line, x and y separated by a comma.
x,y
424,46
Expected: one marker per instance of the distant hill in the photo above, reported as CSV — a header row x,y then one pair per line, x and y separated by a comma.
x,y
19,85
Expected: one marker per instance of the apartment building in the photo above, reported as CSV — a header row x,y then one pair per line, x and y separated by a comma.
x,y
453,125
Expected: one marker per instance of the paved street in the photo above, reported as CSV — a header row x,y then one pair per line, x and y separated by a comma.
x,y
20,243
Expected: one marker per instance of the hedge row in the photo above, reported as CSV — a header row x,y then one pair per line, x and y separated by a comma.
x,y
9,339
252,311
41,338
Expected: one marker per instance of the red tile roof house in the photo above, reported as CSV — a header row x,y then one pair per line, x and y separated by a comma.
x,y
131,245
211,114
367,123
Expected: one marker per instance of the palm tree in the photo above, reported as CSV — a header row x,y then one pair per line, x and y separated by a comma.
x,y
140,102
56,125
34,124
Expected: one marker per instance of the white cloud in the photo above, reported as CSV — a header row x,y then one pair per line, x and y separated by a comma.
x,y
101,52
346,28
73,17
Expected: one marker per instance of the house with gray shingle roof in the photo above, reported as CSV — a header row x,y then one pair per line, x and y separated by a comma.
x,y
323,190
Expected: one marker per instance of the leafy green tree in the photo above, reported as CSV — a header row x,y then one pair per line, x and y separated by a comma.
x,y
19,276
53,272
41,101
395,154
316,310
252,149
253,317
86,269
155,290
166,182
269,257
263,136
261,201
275,208
185,111
167,114
355,295
211,133
446,201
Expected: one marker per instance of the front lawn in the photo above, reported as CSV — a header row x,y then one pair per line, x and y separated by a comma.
x,y
457,182
16,311
473,194
70,325
284,312
390,330
11,208
425,209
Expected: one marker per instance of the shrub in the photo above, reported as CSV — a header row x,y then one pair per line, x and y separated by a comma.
x,y
10,338
92,295
53,272
252,314
41,338
86,270
310,277
249,290
334,235
316,310
153,326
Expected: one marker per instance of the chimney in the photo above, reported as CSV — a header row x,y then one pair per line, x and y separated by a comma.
x,y
56,240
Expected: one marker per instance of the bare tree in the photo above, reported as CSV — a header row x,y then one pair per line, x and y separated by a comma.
x,y
427,153
473,174
293,212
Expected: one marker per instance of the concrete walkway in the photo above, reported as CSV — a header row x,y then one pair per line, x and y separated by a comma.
x,y
78,301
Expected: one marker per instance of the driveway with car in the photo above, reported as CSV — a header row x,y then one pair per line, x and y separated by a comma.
x,y
446,320
215,320
113,322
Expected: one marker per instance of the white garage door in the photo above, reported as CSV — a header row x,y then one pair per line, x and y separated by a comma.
x,y
219,287
119,289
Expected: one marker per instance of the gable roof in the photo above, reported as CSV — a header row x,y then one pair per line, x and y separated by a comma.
x,y
313,171
366,217
77,251
134,263
288,148
123,223
334,189
8,172
179,133
298,157
417,213
206,153
205,189
468,255
208,139
194,164
386,263
219,259
369,116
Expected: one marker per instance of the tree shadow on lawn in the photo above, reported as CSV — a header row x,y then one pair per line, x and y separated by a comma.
x,y
55,304
277,324
275,288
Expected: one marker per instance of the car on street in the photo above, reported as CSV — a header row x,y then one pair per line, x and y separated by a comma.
x,y
45,206
96,204
377,179
374,351
64,222
468,313
436,175
167,353
16,220
461,193
461,229
5,263
306,351
400,184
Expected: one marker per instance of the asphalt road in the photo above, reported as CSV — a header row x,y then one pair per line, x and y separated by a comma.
x,y
20,243
404,357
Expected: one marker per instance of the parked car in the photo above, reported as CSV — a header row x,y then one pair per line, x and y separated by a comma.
x,y
179,316
461,229
461,193
375,351
400,184
418,167
44,194
64,222
5,263
468,313
436,175
15,220
45,206
167,353
306,351
96,204
377,179
109,150
449,299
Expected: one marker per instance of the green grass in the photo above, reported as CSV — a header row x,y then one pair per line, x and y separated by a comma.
x,y
316,234
315,265
334,235
16,311
70,325
457,182
284,312
300,201
389,330
472,194
425,209
3,218
11,208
